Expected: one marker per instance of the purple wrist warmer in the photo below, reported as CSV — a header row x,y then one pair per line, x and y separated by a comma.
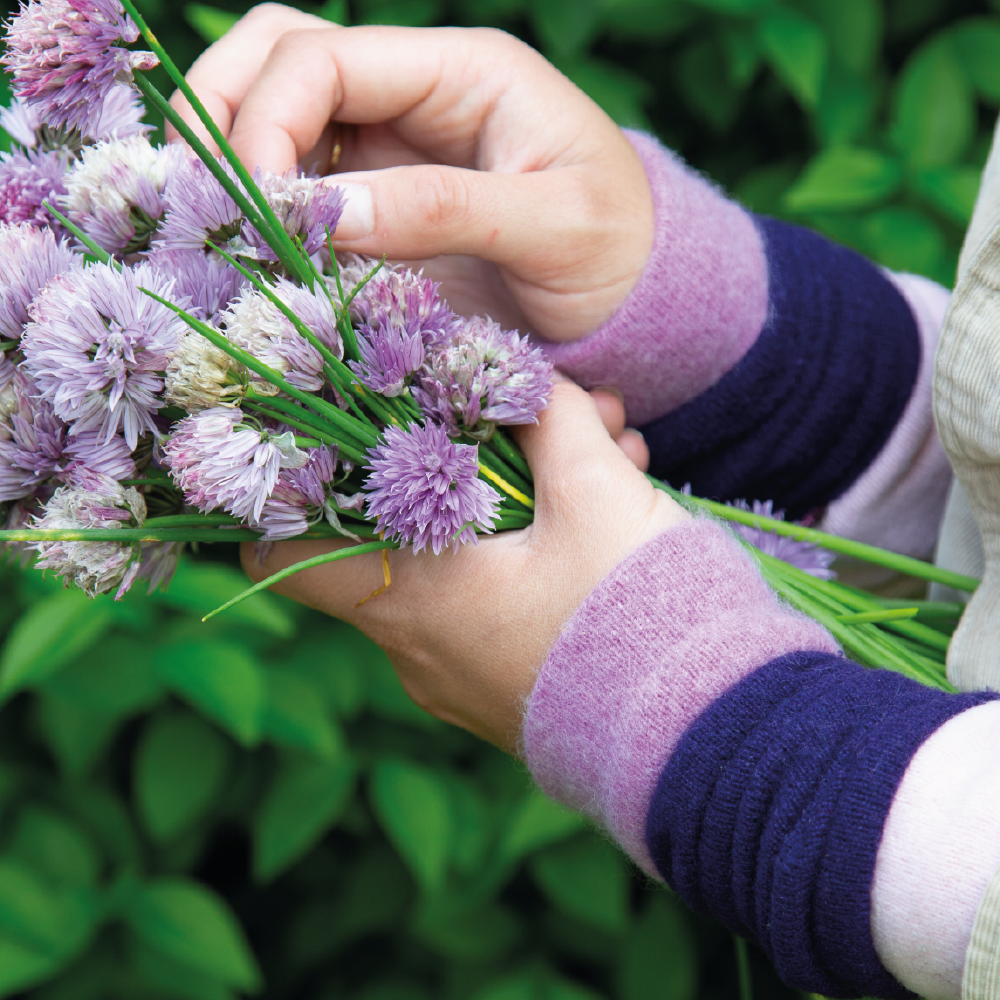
x,y
752,350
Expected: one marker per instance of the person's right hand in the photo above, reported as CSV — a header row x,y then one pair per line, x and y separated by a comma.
x,y
461,144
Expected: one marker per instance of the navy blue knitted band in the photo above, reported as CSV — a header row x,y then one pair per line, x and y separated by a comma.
x,y
808,408
770,811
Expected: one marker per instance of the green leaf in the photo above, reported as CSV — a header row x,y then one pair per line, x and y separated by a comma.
x,y
294,716
703,79
202,587
336,11
535,984
180,765
977,42
55,848
853,28
481,935
648,20
210,22
660,959
416,13
305,798
619,92
39,917
49,635
220,678
951,190
115,679
335,661
732,6
797,51
22,966
192,925
846,109
844,178
903,239
170,978
413,806
742,54
586,878
935,114
566,27
535,823
106,819
76,735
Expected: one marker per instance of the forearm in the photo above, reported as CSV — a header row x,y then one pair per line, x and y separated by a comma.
x,y
730,748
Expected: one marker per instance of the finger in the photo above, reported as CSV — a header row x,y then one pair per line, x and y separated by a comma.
x,y
611,408
223,74
436,85
636,450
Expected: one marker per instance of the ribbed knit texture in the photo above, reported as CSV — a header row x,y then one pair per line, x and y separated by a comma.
x,y
807,409
769,813
670,629
982,961
698,306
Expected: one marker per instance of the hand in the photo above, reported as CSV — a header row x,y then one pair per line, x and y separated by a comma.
x,y
459,144
467,631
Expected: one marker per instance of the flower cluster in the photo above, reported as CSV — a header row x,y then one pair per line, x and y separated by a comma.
x,y
805,555
177,343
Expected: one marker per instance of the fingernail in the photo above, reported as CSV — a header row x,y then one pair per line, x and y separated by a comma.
x,y
358,218
610,390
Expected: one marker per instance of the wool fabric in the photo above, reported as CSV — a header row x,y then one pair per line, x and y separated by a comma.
x,y
769,813
671,628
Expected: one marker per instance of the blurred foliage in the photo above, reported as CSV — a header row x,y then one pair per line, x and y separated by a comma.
x,y
196,811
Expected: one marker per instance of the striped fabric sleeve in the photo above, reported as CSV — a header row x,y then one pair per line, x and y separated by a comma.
x,y
725,742
762,361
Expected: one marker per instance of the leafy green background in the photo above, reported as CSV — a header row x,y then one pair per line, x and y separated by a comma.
x,y
253,805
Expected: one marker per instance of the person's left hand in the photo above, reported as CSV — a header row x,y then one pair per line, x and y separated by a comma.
x,y
467,631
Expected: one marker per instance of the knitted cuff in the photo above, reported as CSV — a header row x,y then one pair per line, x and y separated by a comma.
x,y
670,629
698,307
771,809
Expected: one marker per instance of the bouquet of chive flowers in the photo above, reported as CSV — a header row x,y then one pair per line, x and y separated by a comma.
x,y
185,359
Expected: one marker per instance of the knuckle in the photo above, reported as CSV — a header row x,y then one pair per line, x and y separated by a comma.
x,y
441,197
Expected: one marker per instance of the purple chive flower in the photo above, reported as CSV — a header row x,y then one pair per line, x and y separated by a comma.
x,y
35,446
217,460
199,210
21,123
209,282
299,496
27,179
425,490
29,259
65,59
389,357
91,500
115,191
97,347
305,206
805,555
256,324
120,116
398,297
483,376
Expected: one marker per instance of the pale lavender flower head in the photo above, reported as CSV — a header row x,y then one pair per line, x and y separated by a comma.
x,y
97,348
65,59
805,555
395,296
305,206
199,210
218,460
483,376
299,496
27,179
209,282
91,500
256,324
424,489
390,355
21,123
115,191
29,259
35,446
